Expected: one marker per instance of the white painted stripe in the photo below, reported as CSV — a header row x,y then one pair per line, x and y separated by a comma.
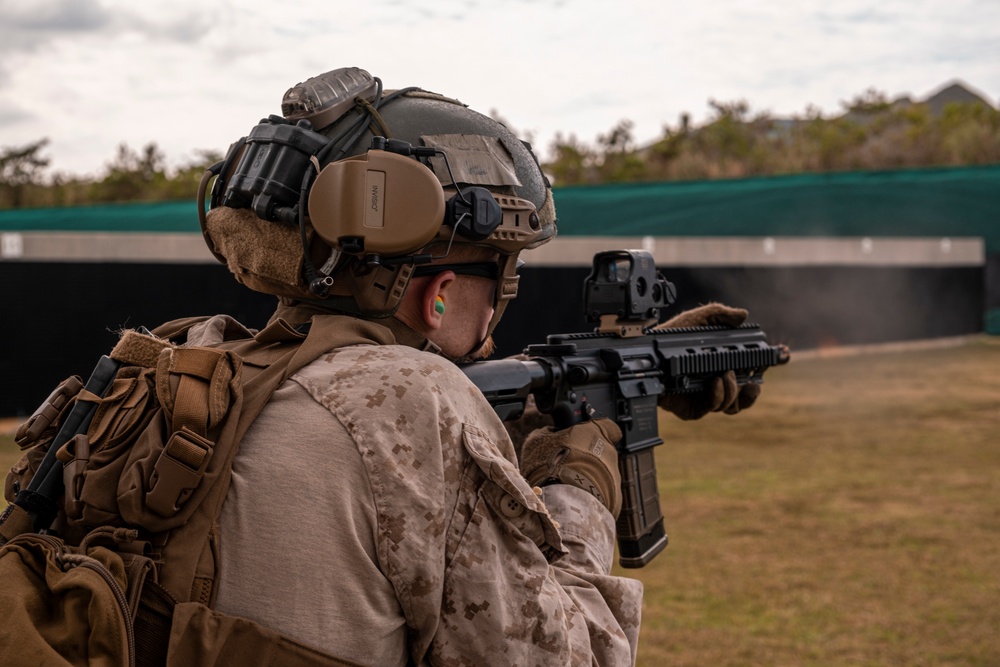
x,y
769,251
562,251
110,247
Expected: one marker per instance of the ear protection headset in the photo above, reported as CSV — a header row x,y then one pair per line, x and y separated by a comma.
x,y
387,204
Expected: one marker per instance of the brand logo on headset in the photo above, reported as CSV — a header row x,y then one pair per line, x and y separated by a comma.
x,y
375,212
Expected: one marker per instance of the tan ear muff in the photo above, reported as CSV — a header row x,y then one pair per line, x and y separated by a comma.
x,y
377,203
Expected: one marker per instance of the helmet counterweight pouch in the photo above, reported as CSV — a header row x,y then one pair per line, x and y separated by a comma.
x,y
387,203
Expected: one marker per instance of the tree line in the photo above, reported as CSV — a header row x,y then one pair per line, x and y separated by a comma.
x,y
871,134
131,175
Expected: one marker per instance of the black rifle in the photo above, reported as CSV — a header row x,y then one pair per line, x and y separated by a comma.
x,y
620,371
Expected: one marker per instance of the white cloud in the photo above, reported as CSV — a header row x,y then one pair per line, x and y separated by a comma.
x,y
189,74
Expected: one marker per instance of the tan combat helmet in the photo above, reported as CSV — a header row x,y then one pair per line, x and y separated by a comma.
x,y
341,216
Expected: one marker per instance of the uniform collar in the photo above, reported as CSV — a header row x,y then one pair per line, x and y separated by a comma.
x,y
383,331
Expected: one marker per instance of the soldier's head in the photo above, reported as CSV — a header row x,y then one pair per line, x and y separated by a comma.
x,y
357,197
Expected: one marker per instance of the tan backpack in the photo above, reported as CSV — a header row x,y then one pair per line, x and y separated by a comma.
x,y
109,548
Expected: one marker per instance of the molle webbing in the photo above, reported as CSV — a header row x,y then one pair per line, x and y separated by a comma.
x,y
201,396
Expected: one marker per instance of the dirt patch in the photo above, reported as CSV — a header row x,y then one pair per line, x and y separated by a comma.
x,y
9,425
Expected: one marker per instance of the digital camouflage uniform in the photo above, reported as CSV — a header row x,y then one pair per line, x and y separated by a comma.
x,y
377,512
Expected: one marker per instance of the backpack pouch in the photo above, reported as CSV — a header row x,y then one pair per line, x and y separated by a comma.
x,y
61,606
35,435
91,476
176,458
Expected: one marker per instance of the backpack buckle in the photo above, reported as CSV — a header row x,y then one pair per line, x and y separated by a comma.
x,y
74,456
178,471
48,411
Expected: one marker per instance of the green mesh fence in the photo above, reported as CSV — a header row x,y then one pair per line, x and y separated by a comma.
x,y
928,202
916,202
992,323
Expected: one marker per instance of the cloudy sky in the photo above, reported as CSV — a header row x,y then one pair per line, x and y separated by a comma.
x,y
191,74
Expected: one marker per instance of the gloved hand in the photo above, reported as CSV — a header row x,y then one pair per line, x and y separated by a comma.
x,y
723,395
583,456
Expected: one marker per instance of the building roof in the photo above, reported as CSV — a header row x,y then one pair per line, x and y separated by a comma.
x,y
955,92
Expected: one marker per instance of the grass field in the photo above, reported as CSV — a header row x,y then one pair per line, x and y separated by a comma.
x,y
851,518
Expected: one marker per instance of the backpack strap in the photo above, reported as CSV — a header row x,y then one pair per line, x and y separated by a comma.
x,y
268,359
175,329
188,571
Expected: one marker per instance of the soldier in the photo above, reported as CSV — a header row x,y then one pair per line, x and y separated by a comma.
x,y
376,511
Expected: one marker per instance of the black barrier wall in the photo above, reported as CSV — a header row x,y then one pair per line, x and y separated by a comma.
x,y
992,281
60,317
803,307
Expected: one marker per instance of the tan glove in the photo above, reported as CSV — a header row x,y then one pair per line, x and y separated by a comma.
x,y
723,395
583,456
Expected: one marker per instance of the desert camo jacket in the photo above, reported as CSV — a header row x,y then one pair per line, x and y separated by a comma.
x,y
377,513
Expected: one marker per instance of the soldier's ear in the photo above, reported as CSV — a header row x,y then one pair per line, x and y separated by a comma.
x,y
434,299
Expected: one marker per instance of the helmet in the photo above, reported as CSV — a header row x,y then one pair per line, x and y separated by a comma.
x,y
342,214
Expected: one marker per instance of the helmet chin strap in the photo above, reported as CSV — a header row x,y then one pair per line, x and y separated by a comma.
x,y
503,294
481,350
487,349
